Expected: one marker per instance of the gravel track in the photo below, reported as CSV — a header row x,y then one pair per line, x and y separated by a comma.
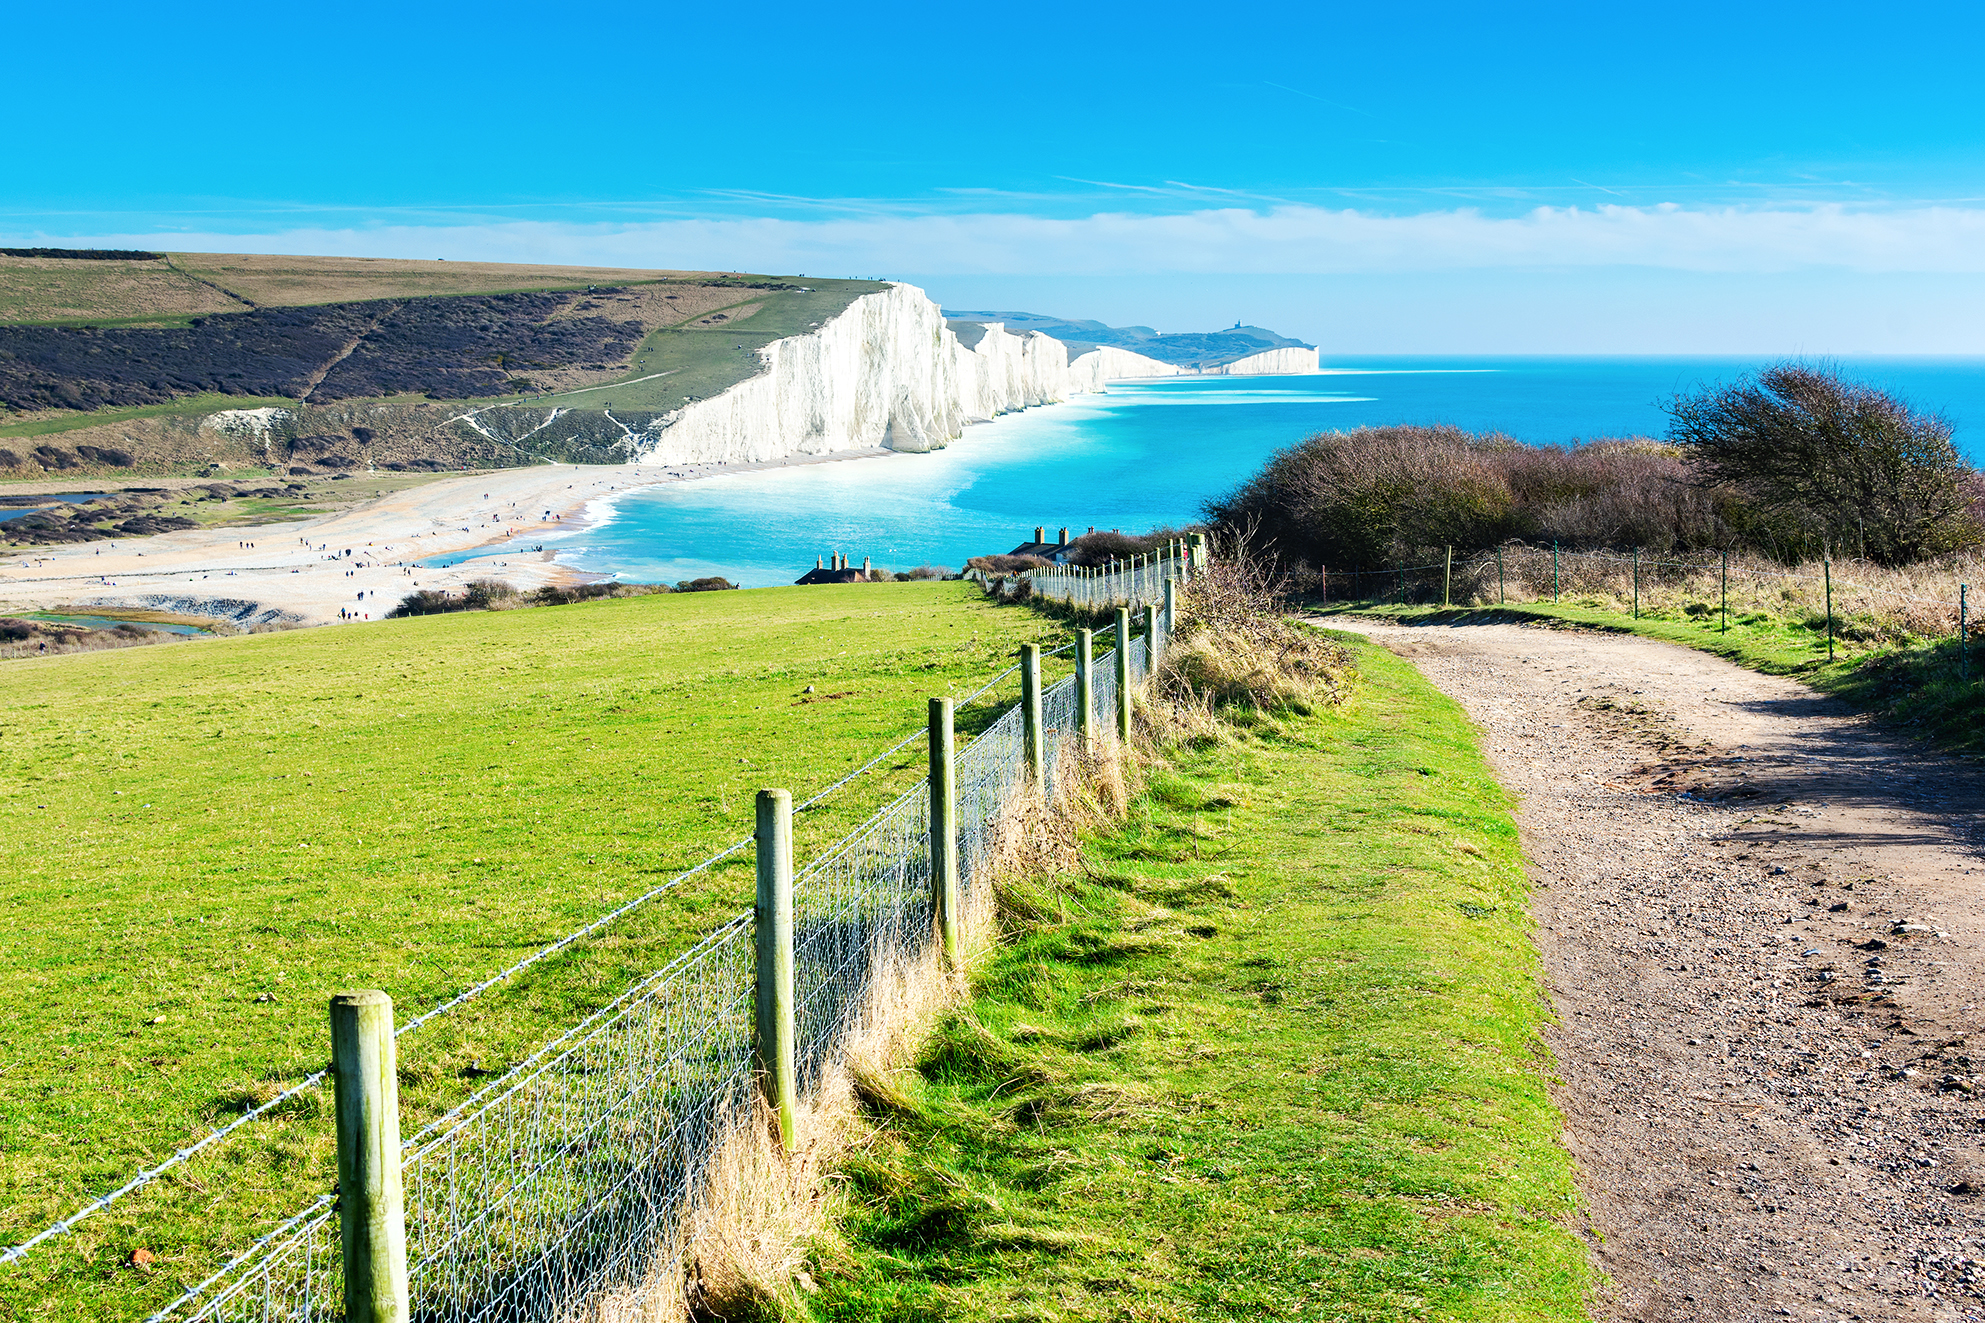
x,y
1761,924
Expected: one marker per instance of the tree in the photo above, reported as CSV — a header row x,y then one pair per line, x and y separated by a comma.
x,y
1829,464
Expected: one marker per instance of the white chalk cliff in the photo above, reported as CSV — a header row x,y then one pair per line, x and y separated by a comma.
x,y
886,372
1269,362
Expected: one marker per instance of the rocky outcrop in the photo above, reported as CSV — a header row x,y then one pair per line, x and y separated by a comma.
x,y
1269,362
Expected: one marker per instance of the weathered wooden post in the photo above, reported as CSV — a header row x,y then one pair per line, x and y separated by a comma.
x,y
372,1219
1154,647
1502,593
1123,674
1554,571
772,925
1636,583
944,826
1726,592
1171,610
1963,634
1827,565
1447,580
1034,741
1085,688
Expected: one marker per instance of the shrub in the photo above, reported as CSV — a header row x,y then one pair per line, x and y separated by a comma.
x,y
1102,548
1379,496
426,602
712,584
1826,464
482,594
1005,564
928,572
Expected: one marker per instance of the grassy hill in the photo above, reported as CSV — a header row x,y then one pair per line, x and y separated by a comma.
x,y
108,358
203,841
172,288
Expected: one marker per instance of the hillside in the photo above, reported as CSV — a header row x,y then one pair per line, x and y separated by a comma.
x,y
115,361
206,838
1197,351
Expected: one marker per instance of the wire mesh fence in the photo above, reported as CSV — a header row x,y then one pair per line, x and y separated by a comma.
x,y
1851,601
1136,582
570,1178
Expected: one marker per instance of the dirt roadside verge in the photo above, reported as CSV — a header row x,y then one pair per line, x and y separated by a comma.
x,y
1762,924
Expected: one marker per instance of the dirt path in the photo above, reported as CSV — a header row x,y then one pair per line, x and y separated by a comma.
x,y
1763,924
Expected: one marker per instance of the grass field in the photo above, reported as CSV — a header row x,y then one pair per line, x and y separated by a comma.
x,y
1914,684
44,291
203,841
191,404
1272,1054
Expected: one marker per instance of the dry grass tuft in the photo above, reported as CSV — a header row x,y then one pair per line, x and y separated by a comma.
x,y
1872,602
1237,648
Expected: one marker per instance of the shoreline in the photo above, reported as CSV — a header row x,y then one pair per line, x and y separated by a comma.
x,y
362,560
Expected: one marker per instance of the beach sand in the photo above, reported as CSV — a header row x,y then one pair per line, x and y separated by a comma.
x,y
361,560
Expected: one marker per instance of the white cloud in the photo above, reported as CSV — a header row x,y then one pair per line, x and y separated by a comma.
x,y
1226,241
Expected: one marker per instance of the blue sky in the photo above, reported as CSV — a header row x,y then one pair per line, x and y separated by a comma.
x,y
1402,178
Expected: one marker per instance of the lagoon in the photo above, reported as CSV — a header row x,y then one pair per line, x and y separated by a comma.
x,y
1148,453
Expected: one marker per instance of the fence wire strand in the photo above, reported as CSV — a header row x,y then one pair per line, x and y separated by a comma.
x,y
566,1182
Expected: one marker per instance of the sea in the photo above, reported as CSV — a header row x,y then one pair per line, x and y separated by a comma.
x,y
1150,453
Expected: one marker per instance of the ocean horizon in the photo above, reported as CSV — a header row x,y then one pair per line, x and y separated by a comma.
x,y
1149,453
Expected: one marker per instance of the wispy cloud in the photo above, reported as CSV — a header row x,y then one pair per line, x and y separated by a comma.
x,y
1291,239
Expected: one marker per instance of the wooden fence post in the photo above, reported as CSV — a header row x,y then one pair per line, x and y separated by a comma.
x,y
1154,647
773,928
1963,630
1726,592
1636,583
1827,565
1554,571
1123,674
1034,741
1085,688
1447,581
1502,594
1171,610
372,1221
944,826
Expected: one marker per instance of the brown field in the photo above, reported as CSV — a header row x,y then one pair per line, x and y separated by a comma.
x,y
45,289
288,281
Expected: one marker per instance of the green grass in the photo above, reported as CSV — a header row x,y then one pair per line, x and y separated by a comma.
x,y
1914,684
188,405
203,841
1274,1053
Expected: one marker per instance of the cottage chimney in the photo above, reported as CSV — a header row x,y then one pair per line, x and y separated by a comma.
x,y
820,562
1092,530
865,561
1064,537
1040,533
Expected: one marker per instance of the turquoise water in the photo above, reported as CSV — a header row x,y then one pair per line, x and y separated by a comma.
x,y
1147,453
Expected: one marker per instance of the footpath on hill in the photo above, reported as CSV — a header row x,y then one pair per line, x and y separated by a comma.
x,y
1764,936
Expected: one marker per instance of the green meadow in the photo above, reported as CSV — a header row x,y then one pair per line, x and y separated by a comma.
x,y
1271,1052
202,841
